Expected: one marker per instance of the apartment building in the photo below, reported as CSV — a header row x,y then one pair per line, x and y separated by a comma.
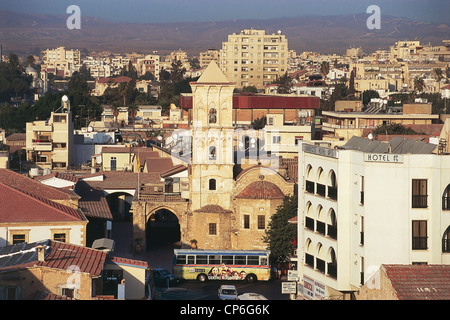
x,y
150,63
209,55
254,58
49,143
366,204
60,59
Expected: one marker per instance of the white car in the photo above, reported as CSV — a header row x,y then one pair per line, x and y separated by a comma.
x,y
251,296
227,292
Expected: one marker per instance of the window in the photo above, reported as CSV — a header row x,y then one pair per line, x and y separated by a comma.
x,y
261,222
446,241
419,235
419,193
246,221
11,293
18,238
59,237
202,259
212,184
276,139
213,229
212,153
68,292
212,116
181,259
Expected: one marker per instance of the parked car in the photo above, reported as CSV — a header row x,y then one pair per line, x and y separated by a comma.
x,y
227,292
163,278
251,296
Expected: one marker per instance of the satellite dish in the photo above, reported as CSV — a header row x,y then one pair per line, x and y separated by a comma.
x,y
90,129
65,98
370,136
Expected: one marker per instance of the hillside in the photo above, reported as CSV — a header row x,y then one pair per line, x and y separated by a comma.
x,y
21,33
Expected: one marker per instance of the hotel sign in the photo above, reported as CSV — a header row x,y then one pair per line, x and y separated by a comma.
x,y
321,151
383,157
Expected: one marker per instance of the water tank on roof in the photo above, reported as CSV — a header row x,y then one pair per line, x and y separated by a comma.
x,y
34,172
47,171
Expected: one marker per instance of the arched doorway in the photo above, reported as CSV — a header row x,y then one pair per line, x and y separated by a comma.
x,y
120,203
163,227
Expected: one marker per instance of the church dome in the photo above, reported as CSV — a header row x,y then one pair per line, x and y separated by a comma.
x,y
261,190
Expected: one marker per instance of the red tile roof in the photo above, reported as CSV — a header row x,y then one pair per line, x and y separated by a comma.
x,y
420,282
58,255
213,208
177,169
61,256
20,182
261,190
21,206
127,261
119,79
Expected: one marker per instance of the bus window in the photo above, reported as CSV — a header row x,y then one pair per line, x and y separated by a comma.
x,y
263,261
190,259
240,260
181,259
214,259
227,259
253,260
202,259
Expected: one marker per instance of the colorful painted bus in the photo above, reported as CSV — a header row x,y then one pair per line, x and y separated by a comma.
x,y
203,265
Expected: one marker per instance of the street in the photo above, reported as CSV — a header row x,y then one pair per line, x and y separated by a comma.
x,y
194,290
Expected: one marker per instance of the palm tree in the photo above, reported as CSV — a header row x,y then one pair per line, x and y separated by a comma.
x,y
115,108
419,84
438,75
132,111
325,69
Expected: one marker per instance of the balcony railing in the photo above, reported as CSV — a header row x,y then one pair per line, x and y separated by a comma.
x,y
320,190
320,227
309,260
320,265
445,203
446,245
419,201
419,243
332,193
309,186
309,223
332,270
332,231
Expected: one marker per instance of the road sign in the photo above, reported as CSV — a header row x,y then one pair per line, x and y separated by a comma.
x,y
288,287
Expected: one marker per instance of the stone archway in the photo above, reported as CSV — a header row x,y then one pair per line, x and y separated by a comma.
x,y
162,227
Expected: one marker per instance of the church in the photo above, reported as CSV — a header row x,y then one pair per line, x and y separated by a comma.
x,y
227,197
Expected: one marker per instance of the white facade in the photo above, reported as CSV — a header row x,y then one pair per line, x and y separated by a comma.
x,y
372,218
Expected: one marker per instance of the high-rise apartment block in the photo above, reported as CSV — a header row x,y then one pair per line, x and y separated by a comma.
x,y
62,60
254,58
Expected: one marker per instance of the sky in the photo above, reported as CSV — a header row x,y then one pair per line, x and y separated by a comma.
x,y
160,11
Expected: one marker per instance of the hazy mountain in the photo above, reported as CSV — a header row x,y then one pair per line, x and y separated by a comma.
x,y
21,33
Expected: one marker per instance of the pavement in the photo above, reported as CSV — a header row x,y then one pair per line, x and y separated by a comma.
x,y
159,256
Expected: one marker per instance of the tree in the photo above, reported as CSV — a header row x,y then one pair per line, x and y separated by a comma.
x,y
280,234
284,84
132,111
324,69
368,95
351,84
115,108
438,75
30,60
419,84
259,123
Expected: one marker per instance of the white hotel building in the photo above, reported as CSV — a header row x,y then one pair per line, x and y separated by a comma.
x,y
365,204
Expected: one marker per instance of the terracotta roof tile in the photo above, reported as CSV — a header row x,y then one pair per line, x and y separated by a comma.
x,y
213,208
420,282
20,182
22,206
261,190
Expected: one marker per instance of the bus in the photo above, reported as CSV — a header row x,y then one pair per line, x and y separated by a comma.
x,y
203,265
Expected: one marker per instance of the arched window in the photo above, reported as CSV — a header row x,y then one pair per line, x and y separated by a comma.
x,y
332,186
446,199
212,153
212,184
212,115
332,263
332,224
446,241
